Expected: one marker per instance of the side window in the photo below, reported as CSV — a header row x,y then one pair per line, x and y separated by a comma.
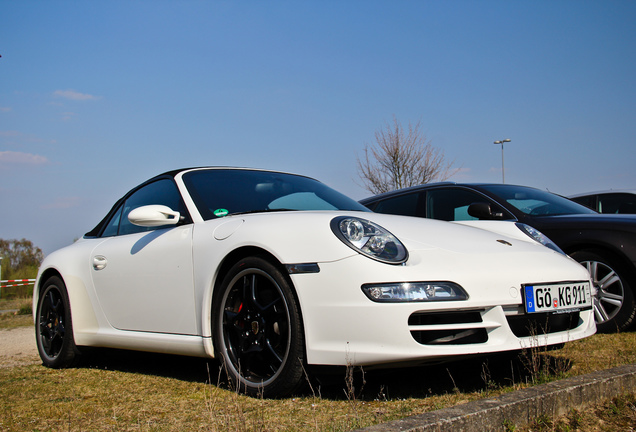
x,y
617,203
588,201
113,225
452,204
405,205
163,192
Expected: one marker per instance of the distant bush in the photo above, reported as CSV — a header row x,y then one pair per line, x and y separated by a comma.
x,y
20,259
17,292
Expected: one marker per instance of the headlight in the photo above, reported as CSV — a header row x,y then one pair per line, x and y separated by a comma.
x,y
369,239
539,237
414,292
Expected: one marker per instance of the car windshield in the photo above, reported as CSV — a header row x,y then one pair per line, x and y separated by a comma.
x,y
536,202
219,192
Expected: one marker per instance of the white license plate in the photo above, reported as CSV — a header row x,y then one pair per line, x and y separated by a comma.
x,y
557,297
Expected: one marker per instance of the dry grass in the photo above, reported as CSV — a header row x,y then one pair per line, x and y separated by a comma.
x,y
602,351
17,303
122,390
22,315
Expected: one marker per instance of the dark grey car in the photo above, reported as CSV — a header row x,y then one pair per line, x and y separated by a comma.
x,y
605,244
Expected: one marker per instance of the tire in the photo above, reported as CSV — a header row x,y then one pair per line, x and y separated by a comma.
x,y
614,306
258,332
54,327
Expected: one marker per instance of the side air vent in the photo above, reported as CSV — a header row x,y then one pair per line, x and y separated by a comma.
x,y
542,323
448,328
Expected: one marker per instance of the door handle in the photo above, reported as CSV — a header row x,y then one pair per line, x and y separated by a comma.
x,y
99,262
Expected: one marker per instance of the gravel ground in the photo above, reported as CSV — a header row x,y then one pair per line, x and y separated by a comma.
x,y
17,347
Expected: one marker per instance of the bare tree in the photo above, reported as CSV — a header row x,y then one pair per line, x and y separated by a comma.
x,y
400,159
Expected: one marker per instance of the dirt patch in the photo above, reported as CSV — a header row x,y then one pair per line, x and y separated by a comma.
x,y
17,347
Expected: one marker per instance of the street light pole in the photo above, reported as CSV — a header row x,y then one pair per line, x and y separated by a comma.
x,y
503,175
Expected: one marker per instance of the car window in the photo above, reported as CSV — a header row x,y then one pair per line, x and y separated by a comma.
x,y
452,204
617,203
113,225
300,201
536,202
162,192
405,205
588,201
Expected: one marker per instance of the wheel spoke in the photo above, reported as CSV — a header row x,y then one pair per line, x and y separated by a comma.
x,y
257,296
272,305
613,299
51,300
608,280
273,352
246,292
600,313
254,288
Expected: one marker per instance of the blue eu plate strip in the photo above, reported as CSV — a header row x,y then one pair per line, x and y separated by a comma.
x,y
530,307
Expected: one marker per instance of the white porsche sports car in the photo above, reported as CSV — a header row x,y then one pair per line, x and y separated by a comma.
x,y
273,272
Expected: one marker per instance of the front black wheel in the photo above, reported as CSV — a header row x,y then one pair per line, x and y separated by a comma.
x,y
614,306
258,331
53,325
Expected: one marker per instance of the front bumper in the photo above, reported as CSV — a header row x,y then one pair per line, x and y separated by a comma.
x,y
344,327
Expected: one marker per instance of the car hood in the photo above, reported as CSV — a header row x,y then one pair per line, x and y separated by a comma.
x,y
602,221
306,236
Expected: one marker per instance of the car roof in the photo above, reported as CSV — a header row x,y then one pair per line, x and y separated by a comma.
x,y
433,185
173,173
602,192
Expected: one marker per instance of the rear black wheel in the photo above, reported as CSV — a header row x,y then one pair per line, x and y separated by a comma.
x,y
258,331
614,306
53,325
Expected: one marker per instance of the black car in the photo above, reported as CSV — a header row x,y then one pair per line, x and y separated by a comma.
x,y
605,244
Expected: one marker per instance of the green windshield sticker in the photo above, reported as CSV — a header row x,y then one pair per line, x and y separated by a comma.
x,y
220,212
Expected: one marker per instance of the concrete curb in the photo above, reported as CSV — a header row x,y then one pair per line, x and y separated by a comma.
x,y
523,406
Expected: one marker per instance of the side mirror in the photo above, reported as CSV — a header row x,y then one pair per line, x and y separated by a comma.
x,y
482,211
153,216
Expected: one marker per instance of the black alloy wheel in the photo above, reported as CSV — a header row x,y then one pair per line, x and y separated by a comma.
x,y
614,306
258,333
53,326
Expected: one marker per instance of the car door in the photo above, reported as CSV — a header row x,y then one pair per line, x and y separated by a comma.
x,y
143,276
451,204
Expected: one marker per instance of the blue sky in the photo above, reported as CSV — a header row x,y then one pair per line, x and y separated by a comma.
x,y
96,97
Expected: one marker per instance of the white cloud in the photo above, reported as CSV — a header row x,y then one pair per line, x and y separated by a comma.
x,y
74,95
18,158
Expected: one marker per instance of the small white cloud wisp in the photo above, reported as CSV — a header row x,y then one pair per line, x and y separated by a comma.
x,y
74,95
19,158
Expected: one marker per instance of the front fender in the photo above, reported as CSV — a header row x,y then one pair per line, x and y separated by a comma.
x,y
71,265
